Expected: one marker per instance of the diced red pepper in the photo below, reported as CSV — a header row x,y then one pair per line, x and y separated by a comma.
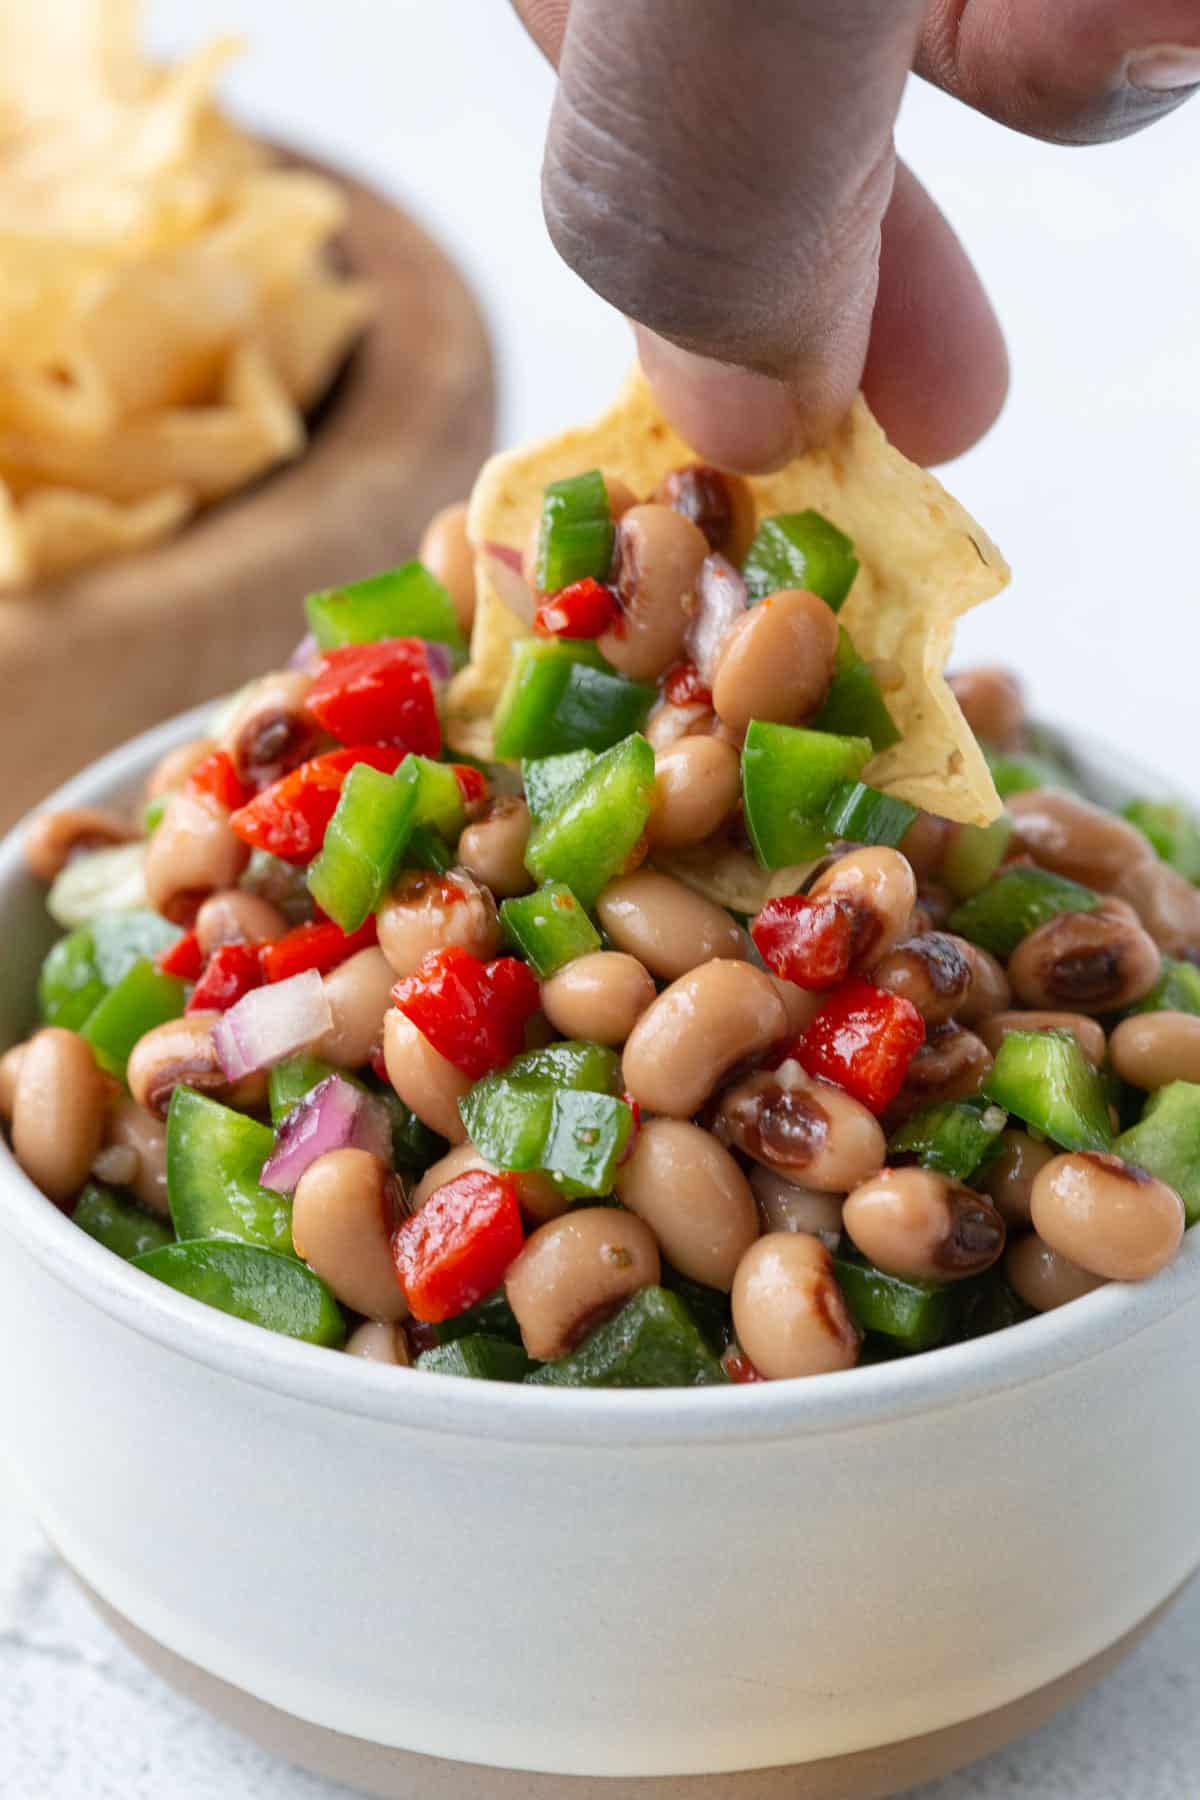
x,y
473,1013
233,969
807,941
863,1039
183,958
322,945
458,1246
216,776
290,817
738,1367
682,685
636,1110
586,609
472,784
378,691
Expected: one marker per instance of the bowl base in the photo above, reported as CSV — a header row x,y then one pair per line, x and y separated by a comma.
x,y
391,1774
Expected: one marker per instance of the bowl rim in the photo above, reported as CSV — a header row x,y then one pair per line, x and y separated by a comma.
x,y
881,1393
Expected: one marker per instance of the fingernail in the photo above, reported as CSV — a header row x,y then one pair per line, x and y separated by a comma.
x,y
734,417
1164,67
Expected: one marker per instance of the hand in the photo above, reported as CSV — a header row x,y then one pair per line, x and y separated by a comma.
x,y
723,171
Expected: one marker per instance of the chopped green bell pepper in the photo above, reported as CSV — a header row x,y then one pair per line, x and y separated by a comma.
x,y
916,1314
789,777
951,1136
549,779
81,968
492,1317
364,843
575,533
863,815
590,836
404,602
549,927
854,705
1173,831
251,1283
800,550
1002,914
485,1358
561,695
586,1140
510,1116
1166,1141
114,1221
143,998
428,849
1020,772
707,1308
214,1157
651,1342
988,1304
973,854
1046,1080
1176,990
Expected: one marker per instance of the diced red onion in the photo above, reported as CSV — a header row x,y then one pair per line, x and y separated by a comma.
x,y
506,554
439,660
306,656
336,1115
509,583
270,1023
721,597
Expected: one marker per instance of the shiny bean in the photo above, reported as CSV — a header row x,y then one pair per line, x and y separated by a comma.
x,y
669,724
446,551
359,992
193,854
698,1029
992,705
343,1214
1007,1177
272,730
877,888
132,1128
179,1052
173,769
10,1064
783,1206
667,926
1088,1033
1072,837
574,1273
1107,1216
1151,1049
777,662
807,1130
58,1111
234,916
1093,962
697,784
492,849
1166,903
1044,1279
931,971
721,504
536,1193
657,557
924,845
55,837
693,1196
989,991
599,996
424,1079
789,1313
923,1226
377,1342
800,1005
426,911
949,1065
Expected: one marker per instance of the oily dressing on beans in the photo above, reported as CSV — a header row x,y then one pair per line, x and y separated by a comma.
x,y
561,973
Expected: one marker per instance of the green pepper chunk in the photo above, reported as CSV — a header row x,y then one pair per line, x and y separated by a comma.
x,y
1046,1080
915,1314
404,602
562,695
549,927
251,1283
114,1221
864,815
486,1358
951,1136
585,1142
364,843
650,1343
509,1116
152,813
428,849
1021,772
575,533
1166,1141
143,998
854,705
1172,829
1002,914
800,550
81,968
493,1317
414,1146
988,1304
591,835
214,1158
973,854
1176,990
789,777
549,779
707,1308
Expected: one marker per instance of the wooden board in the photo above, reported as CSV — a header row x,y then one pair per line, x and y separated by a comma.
x,y
89,660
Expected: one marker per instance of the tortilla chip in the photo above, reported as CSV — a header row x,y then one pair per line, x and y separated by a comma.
x,y
503,615
64,529
923,562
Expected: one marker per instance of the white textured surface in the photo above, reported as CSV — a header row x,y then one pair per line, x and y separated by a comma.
x,y
1089,483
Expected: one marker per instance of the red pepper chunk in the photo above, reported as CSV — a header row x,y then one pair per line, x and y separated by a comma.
x,y
233,969
807,941
738,1367
183,958
216,776
458,1247
378,691
290,817
321,945
682,685
472,784
586,609
863,1039
473,1013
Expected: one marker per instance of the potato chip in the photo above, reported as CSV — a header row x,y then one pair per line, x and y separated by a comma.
x,y
923,562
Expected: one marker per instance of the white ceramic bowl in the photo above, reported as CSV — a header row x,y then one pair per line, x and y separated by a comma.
x,y
861,1574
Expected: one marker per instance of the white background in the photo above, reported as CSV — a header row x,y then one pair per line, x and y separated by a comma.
x,y
1089,483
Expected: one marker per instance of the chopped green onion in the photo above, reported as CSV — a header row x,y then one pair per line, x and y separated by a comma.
x,y
1002,914
549,927
575,535
1046,1080
403,602
800,550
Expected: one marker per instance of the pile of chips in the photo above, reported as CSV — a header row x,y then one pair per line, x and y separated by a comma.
x,y
168,306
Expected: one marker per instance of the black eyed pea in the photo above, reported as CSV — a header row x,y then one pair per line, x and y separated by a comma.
x,y
132,1128
949,1065
669,724
600,996
878,889
173,769
923,845
923,1226
576,1272
424,1079
667,926
989,991
193,854
446,551
426,911
657,557
698,1029
693,1196
55,837
800,1005
1093,962
789,1314
1008,1176
1042,1278
806,1130
1151,1049
1107,1216
697,784
272,730
536,1193
1166,903
492,849
992,705
931,971
182,1052
10,1064
234,916
59,1109
721,504
777,662
785,1206
343,1214
1088,1033
378,1342
359,992
1072,837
